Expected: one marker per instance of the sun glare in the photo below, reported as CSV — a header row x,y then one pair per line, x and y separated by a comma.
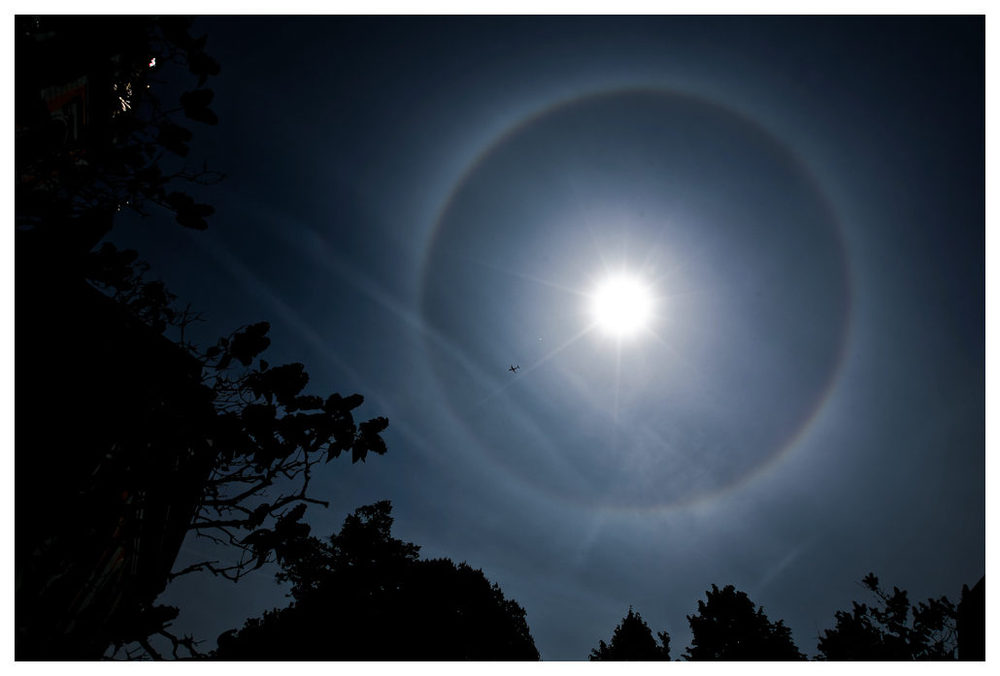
x,y
622,305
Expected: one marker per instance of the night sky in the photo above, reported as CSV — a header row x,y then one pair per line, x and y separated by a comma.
x,y
415,204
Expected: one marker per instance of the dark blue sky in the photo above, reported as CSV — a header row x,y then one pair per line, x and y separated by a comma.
x,y
415,203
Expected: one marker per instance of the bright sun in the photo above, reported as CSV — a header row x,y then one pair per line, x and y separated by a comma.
x,y
622,305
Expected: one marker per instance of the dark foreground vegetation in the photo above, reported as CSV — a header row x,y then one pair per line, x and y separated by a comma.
x,y
165,438
729,626
423,609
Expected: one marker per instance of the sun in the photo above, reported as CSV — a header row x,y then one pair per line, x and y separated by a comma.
x,y
622,305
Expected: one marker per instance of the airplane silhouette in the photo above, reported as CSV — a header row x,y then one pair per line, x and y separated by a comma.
x,y
513,369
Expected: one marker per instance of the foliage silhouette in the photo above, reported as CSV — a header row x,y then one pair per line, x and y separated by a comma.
x,y
165,436
886,630
364,595
267,437
255,439
94,135
729,626
633,641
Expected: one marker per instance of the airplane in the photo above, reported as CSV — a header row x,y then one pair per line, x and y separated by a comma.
x,y
513,369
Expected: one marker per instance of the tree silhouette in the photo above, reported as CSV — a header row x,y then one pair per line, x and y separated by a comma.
x,y
885,631
217,441
159,435
269,438
364,595
729,626
633,641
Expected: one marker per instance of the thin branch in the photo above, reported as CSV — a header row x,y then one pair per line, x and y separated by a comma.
x,y
220,525
144,642
187,642
207,565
